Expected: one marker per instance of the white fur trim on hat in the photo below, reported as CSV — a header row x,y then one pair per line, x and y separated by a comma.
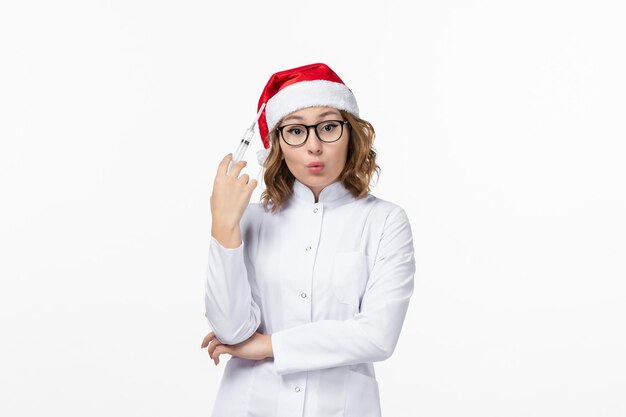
x,y
261,156
308,94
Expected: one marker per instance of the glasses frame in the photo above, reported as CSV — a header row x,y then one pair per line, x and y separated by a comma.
x,y
308,127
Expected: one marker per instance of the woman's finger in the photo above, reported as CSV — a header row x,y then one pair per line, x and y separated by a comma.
x,y
214,344
222,168
244,178
217,352
236,168
211,355
207,339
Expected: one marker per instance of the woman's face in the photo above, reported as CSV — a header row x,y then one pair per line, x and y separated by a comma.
x,y
330,157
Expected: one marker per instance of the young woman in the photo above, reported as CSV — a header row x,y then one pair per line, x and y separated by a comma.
x,y
309,287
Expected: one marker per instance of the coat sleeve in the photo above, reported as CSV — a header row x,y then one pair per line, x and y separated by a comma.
x,y
372,334
230,307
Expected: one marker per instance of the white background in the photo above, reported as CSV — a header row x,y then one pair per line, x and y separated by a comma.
x,y
500,130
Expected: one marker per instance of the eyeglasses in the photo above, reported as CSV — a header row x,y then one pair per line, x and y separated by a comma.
x,y
327,131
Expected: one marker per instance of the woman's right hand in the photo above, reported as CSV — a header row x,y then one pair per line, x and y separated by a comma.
x,y
230,197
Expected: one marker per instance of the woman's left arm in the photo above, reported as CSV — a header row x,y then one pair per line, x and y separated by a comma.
x,y
373,333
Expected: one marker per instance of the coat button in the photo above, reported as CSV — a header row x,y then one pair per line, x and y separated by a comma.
x,y
303,295
297,389
308,248
315,210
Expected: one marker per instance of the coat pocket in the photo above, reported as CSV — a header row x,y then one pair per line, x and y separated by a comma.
x,y
362,396
349,276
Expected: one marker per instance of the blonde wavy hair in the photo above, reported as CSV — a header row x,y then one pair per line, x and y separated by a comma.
x,y
356,175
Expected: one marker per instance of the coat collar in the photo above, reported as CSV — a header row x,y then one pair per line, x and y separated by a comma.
x,y
332,195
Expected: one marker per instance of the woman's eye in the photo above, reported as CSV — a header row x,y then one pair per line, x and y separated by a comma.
x,y
329,127
295,131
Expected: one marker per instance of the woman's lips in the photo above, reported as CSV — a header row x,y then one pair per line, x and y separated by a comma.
x,y
315,167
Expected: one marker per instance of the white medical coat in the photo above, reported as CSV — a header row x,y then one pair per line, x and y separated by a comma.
x,y
331,282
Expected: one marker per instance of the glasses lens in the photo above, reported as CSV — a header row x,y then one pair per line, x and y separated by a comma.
x,y
294,134
329,131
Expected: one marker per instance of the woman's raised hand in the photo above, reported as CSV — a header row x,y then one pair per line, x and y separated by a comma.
x,y
230,197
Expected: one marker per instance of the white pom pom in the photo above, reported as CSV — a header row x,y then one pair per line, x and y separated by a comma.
x,y
262,155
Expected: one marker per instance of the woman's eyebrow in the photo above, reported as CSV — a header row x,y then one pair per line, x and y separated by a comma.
x,y
326,113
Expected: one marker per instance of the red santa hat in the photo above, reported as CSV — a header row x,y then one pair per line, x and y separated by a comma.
x,y
297,88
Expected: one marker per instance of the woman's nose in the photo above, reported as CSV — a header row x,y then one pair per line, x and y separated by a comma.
x,y
314,145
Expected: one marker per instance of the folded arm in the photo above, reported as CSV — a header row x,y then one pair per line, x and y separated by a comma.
x,y
373,333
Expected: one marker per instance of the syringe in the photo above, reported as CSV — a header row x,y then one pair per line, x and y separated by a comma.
x,y
245,141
